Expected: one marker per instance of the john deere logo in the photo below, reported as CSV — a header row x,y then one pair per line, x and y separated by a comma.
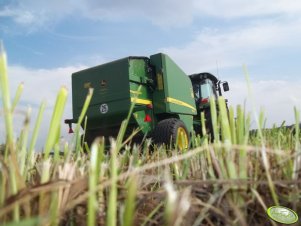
x,y
282,215
103,83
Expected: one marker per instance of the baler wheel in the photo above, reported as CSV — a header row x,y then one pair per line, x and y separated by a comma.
x,y
171,131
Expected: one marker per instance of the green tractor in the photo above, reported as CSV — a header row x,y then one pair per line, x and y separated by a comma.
x,y
206,86
167,102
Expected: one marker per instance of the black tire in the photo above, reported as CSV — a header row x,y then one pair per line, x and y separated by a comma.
x,y
166,133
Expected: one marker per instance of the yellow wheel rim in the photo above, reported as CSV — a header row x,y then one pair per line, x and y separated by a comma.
x,y
182,139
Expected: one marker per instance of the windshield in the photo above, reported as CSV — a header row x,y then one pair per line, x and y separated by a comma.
x,y
206,89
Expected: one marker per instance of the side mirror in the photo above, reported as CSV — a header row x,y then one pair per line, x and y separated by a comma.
x,y
226,86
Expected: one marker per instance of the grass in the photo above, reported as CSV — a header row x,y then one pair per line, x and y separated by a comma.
x,y
229,181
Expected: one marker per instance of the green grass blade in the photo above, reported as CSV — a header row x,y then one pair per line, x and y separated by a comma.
x,y
17,96
6,101
125,122
225,126
240,134
35,221
130,202
3,182
263,147
214,120
152,213
54,208
297,162
226,138
206,144
81,118
83,137
55,123
23,142
232,125
14,190
35,134
240,124
112,201
92,200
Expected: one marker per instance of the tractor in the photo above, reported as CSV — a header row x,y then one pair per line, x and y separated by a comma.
x,y
167,102
206,86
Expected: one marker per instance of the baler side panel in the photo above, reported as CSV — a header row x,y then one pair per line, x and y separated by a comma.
x,y
176,93
111,88
178,89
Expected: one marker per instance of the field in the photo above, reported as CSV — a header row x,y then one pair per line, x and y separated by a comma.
x,y
230,180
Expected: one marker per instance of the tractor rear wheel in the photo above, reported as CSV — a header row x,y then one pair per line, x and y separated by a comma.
x,y
171,131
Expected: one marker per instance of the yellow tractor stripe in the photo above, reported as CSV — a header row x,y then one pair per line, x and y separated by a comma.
x,y
140,101
135,92
179,102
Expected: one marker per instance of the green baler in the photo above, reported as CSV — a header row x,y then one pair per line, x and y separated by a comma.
x,y
165,105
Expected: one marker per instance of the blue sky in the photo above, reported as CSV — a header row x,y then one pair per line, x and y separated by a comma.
x,y
48,40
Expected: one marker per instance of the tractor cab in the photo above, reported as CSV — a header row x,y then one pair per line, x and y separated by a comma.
x,y
203,91
205,86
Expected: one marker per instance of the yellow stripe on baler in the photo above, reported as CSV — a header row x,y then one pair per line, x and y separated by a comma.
x,y
140,101
135,92
179,102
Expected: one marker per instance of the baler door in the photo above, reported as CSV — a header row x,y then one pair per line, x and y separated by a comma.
x,y
174,93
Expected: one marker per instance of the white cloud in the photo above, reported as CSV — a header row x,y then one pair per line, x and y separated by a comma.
x,y
39,85
20,17
34,15
236,46
162,13
245,8
277,98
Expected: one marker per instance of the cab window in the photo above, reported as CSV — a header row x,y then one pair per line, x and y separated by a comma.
x,y
207,90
